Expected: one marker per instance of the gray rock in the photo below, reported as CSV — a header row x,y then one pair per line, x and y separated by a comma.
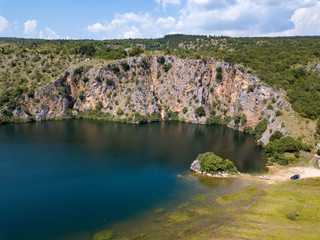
x,y
195,165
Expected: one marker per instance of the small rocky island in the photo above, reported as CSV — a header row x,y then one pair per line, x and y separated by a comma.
x,y
212,165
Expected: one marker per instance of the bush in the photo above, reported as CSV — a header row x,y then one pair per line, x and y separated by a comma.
x,y
318,151
199,112
125,66
115,70
211,163
284,144
250,88
278,113
78,71
161,60
292,216
185,110
136,51
171,116
81,95
140,118
155,117
318,126
275,135
85,79
120,112
99,106
167,67
261,128
109,82
219,75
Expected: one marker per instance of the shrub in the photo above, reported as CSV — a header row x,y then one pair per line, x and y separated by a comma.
x,y
109,82
275,135
270,107
99,106
318,126
219,75
98,79
140,118
261,128
199,112
135,51
167,67
85,79
120,112
185,110
278,113
318,151
250,88
292,216
81,95
78,71
155,117
125,66
115,70
161,60
211,163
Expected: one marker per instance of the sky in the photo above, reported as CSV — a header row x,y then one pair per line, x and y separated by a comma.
x,y
118,19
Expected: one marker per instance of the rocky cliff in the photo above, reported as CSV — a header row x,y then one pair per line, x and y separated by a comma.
x,y
190,90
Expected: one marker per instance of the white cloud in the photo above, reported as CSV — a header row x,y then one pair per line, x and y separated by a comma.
x,y
132,33
224,17
166,23
132,25
165,3
4,24
306,22
30,27
95,28
49,34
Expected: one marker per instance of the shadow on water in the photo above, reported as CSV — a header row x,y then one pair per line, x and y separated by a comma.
x,y
59,178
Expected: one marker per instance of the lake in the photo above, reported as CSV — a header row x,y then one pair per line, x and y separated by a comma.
x,y
63,178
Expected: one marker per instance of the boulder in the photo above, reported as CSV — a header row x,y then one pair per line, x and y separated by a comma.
x,y
195,166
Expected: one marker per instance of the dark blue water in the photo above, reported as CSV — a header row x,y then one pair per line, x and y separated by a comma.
x,y
60,178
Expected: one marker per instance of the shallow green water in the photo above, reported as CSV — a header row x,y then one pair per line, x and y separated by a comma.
x,y
63,178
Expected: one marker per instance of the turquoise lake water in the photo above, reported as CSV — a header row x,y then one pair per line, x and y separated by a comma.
x,y
65,177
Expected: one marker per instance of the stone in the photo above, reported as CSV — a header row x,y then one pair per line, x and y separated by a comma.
x,y
195,165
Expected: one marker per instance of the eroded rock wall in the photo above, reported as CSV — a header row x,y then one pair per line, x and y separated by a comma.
x,y
146,88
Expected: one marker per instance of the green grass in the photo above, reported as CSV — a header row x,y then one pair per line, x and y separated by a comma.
x,y
252,212
268,217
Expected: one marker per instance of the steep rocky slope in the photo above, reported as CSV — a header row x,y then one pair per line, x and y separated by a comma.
x,y
175,88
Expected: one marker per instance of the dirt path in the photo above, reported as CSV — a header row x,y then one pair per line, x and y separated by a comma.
x,y
279,174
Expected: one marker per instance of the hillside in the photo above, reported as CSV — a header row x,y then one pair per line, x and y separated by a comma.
x,y
214,80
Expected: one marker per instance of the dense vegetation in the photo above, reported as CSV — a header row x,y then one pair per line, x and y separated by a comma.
x,y
278,146
291,63
211,163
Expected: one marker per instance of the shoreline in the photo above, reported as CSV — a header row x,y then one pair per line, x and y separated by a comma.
x,y
280,174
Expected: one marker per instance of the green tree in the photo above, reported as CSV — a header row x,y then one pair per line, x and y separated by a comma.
x,y
199,112
211,163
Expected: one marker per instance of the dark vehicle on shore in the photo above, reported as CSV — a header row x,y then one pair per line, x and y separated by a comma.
x,y
297,176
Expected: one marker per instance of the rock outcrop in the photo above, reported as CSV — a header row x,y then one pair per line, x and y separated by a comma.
x,y
169,85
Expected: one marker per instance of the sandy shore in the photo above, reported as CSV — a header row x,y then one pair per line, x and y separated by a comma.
x,y
285,174
276,174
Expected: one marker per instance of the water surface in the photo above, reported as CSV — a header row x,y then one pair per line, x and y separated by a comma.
x,y
61,178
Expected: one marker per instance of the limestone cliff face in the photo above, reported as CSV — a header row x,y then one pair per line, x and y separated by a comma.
x,y
147,85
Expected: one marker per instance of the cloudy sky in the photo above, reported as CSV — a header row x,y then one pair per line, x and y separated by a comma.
x,y
109,19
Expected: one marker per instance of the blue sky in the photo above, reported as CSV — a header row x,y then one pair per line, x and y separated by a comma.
x,y
94,19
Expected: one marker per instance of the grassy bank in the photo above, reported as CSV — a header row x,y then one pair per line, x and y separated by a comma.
x,y
289,210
